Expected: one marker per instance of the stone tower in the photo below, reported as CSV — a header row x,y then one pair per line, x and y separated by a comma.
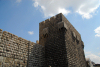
x,y
62,42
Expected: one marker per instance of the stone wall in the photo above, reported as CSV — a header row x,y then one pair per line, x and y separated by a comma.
x,y
62,42
53,40
74,46
15,51
36,58
60,46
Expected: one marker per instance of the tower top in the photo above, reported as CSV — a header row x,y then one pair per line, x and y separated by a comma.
x,y
56,19
52,18
54,24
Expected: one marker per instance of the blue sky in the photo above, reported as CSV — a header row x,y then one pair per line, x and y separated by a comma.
x,y
22,18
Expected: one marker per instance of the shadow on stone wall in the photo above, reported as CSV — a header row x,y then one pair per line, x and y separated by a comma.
x,y
36,56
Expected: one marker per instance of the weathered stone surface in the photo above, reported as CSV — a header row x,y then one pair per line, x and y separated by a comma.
x,y
63,44
14,50
60,46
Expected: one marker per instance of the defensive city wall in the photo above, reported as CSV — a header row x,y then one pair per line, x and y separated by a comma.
x,y
18,52
60,45
63,44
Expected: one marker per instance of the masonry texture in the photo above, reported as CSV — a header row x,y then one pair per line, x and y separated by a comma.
x,y
18,52
62,42
59,45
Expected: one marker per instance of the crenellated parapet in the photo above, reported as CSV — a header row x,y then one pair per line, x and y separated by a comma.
x,y
57,24
62,42
59,45
52,19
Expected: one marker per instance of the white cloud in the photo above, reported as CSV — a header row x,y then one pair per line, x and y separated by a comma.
x,y
35,4
93,57
18,1
87,52
30,32
97,31
86,8
64,11
98,53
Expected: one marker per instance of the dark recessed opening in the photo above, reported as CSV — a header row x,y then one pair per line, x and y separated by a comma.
x,y
45,35
77,41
